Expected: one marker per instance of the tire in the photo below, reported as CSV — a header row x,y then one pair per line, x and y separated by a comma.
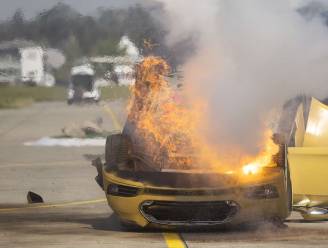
x,y
277,222
117,149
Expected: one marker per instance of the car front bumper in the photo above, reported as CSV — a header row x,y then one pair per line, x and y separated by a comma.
x,y
170,207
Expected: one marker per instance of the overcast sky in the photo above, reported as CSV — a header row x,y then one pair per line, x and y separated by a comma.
x,y
32,7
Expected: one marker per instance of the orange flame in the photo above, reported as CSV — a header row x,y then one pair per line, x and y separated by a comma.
x,y
169,130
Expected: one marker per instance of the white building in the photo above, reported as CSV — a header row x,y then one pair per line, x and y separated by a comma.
x,y
32,67
23,62
123,72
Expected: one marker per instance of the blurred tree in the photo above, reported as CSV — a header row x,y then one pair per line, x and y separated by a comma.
x,y
107,47
72,48
80,36
18,24
57,24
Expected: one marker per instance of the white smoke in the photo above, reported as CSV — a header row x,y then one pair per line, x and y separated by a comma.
x,y
251,56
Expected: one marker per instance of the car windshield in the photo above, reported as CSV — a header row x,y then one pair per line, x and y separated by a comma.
x,y
82,81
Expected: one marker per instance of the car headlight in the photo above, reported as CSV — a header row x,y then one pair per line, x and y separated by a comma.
x,y
267,191
122,190
251,169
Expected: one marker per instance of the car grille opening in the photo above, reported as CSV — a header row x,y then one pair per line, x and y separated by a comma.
x,y
188,213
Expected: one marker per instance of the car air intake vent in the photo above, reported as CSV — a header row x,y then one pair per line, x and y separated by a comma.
x,y
155,191
262,192
188,213
122,190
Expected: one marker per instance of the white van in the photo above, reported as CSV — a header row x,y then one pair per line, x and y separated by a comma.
x,y
82,87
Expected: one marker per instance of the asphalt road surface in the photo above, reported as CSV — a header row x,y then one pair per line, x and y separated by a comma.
x,y
75,213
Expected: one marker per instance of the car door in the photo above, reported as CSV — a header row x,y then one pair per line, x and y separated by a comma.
x,y
308,159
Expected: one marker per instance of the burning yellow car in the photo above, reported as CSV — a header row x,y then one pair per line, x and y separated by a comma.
x,y
151,177
143,196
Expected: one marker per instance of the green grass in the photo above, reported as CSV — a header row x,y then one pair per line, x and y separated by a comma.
x,y
115,92
21,96
37,93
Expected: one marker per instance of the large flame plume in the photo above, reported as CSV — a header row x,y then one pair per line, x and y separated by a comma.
x,y
168,129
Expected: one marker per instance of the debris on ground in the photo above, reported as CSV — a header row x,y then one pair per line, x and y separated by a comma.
x,y
73,130
86,130
33,198
93,127
89,133
67,142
